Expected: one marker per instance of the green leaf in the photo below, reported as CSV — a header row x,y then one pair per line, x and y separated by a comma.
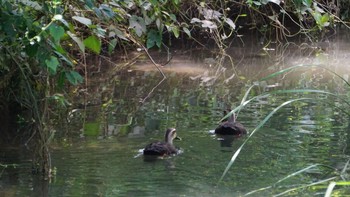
x,y
250,2
153,37
187,31
317,16
174,29
147,5
93,43
154,2
173,17
120,34
74,78
32,4
98,12
138,24
159,24
114,31
325,20
58,48
60,99
176,32
100,31
89,3
111,45
31,50
52,64
57,32
60,81
62,57
77,40
82,20
106,11
257,3
307,3
148,20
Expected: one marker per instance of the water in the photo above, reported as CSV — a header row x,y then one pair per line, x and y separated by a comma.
x,y
107,161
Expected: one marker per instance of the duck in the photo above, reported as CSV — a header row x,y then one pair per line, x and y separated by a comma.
x,y
165,148
231,126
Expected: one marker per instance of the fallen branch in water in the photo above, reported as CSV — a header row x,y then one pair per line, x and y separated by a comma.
x,y
154,63
158,68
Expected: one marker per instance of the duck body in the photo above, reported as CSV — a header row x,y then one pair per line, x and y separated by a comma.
x,y
231,127
159,149
163,148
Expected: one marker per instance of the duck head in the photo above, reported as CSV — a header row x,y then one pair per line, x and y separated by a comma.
x,y
232,117
170,135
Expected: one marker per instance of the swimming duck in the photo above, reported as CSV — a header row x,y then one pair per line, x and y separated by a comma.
x,y
231,127
163,148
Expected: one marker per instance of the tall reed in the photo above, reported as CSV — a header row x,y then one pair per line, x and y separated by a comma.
x,y
245,101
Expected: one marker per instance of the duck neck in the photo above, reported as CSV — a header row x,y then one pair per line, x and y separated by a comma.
x,y
232,118
168,139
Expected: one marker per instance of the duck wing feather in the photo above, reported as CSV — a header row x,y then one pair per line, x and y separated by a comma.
x,y
159,148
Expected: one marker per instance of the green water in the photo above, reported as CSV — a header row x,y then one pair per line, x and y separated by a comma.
x,y
106,161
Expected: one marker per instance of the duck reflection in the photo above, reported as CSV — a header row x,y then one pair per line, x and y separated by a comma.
x,y
226,140
168,162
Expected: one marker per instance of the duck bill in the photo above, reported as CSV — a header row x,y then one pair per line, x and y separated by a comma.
x,y
178,138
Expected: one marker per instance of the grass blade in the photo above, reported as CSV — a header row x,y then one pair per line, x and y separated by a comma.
x,y
282,71
289,176
343,183
296,173
257,190
336,74
330,189
245,97
243,103
345,167
304,186
235,155
299,66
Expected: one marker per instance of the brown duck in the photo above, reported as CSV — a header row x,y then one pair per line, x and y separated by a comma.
x,y
163,148
231,127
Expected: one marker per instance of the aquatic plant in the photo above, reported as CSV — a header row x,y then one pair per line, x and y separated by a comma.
x,y
344,109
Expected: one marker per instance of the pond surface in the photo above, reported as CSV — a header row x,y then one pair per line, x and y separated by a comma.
x,y
104,159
